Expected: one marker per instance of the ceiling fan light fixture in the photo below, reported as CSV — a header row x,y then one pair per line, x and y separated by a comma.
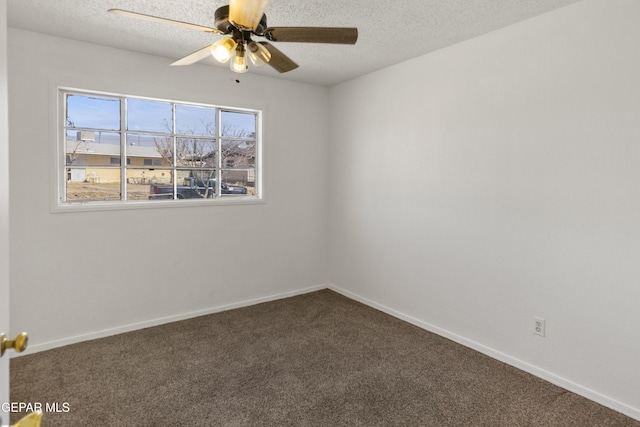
x,y
239,63
242,19
246,14
258,54
222,50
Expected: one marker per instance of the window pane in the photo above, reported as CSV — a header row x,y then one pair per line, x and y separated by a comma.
x,y
140,182
92,184
150,141
238,125
238,154
196,152
158,187
235,182
157,149
192,120
196,183
92,112
91,148
150,116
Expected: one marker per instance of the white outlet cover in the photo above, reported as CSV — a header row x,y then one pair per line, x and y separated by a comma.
x,y
539,326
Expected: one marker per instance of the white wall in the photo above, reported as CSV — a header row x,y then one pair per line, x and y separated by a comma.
x,y
497,180
79,275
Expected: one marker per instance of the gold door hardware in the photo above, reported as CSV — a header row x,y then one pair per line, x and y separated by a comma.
x,y
32,420
19,344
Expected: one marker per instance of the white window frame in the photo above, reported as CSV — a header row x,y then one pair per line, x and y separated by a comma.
x,y
59,202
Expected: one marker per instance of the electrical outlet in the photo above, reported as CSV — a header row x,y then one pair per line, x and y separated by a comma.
x,y
538,326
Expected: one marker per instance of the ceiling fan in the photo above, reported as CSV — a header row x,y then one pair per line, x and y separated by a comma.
x,y
242,19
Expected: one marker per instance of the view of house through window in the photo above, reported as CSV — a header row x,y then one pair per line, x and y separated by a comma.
x,y
119,148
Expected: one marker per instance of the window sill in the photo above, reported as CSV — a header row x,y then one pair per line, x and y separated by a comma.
x,y
136,205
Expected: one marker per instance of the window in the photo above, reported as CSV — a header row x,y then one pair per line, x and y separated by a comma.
x,y
116,160
125,150
152,162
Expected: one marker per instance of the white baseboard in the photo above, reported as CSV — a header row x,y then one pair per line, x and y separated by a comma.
x,y
161,321
495,354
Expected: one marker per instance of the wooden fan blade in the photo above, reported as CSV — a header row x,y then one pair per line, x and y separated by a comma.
x,y
164,20
246,14
312,35
279,61
194,57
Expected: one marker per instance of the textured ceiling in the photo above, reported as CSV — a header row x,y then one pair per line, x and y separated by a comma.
x,y
389,32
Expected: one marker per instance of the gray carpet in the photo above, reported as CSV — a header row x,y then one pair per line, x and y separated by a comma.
x,y
318,359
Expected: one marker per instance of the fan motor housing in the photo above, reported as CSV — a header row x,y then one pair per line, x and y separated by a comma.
x,y
222,22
